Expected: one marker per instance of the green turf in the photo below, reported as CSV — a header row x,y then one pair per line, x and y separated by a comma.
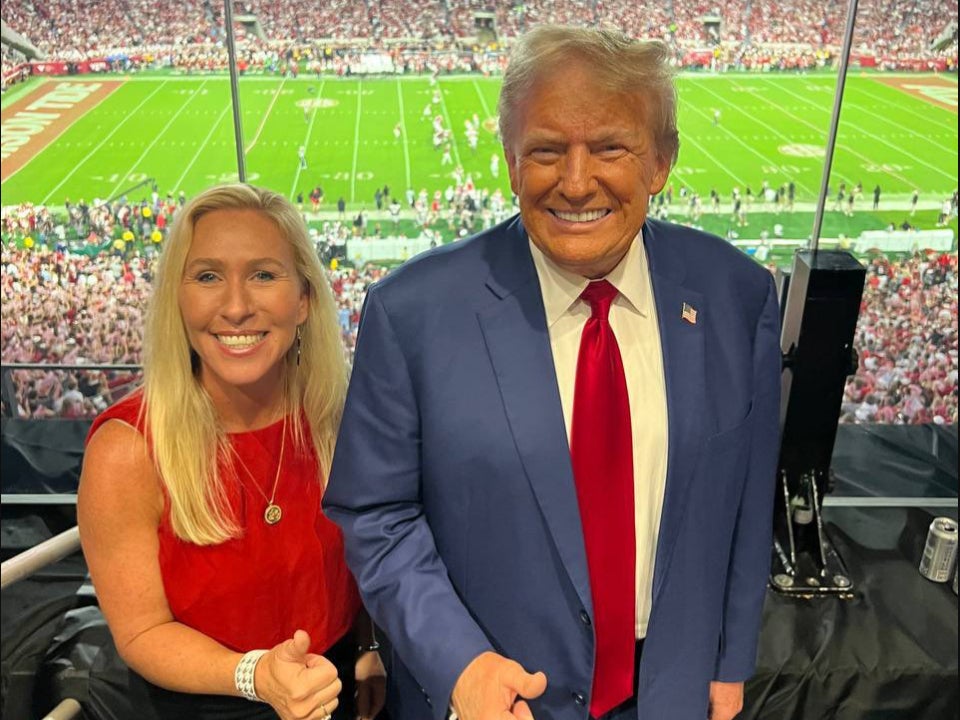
x,y
179,132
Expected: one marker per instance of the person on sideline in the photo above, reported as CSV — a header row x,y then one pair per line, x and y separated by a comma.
x,y
556,466
199,504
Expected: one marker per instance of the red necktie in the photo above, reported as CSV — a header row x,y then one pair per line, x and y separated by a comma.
x,y
601,447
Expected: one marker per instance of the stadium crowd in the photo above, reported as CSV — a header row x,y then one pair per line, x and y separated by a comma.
x,y
907,341
64,304
189,33
64,307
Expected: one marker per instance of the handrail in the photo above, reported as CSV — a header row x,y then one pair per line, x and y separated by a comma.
x,y
66,710
39,556
70,366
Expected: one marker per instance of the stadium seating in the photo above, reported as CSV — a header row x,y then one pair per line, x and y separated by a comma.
x,y
74,30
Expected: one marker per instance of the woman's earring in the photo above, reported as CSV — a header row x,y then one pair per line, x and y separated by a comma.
x,y
299,342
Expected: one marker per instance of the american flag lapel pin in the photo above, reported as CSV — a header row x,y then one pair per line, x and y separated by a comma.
x,y
689,313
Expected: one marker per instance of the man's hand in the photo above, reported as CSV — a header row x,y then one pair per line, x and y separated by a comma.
x,y
492,687
371,685
726,700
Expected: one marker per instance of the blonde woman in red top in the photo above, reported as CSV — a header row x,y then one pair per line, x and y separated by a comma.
x,y
199,505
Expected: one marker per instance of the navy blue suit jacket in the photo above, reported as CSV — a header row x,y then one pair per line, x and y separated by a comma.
x,y
453,484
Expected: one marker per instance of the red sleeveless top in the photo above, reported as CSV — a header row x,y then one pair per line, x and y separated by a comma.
x,y
254,591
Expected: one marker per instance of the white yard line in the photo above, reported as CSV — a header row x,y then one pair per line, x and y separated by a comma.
x,y
356,144
103,142
925,119
263,121
403,128
156,139
909,130
453,132
483,100
716,162
772,161
900,150
306,142
203,146
56,137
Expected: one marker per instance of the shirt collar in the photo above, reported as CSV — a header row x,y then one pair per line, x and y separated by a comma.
x,y
561,288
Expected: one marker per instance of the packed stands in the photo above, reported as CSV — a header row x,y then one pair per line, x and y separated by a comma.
x,y
82,302
907,342
742,33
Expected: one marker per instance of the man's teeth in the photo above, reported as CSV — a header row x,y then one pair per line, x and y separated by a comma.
x,y
239,341
581,216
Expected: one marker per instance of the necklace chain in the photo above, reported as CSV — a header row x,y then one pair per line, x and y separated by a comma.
x,y
273,513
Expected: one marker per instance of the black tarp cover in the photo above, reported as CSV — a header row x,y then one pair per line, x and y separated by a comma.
x,y
890,653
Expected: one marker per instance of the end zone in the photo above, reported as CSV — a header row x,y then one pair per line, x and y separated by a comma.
x,y
33,122
931,88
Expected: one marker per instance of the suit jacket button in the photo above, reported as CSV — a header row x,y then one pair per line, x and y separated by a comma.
x,y
585,618
579,699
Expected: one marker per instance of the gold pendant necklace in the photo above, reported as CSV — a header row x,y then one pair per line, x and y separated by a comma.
x,y
272,514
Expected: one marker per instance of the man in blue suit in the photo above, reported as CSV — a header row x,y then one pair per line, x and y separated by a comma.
x,y
555,470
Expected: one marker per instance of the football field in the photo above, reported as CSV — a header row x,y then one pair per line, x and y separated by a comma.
x,y
737,130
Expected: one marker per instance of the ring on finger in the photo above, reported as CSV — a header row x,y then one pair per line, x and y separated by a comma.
x,y
326,715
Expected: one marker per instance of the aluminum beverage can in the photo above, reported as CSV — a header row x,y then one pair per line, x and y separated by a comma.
x,y
940,553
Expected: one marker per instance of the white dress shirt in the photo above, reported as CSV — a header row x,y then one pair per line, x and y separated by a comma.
x,y
633,318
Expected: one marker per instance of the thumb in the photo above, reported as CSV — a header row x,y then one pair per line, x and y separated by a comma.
x,y
295,649
521,711
528,685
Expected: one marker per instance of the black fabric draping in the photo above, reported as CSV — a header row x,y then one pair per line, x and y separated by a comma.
x,y
895,461
878,460
890,653
42,456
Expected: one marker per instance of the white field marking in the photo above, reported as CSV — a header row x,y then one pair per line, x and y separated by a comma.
x,y
917,160
453,133
403,127
156,139
103,142
62,131
908,132
12,95
483,100
899,150
819,132
202,147
919,115
726,105
716,162
306,142
263,120
356,144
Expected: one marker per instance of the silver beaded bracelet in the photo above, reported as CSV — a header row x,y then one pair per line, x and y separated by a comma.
x,y
243,676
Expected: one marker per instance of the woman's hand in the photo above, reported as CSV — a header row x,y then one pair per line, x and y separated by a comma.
x,y
371,685
298,684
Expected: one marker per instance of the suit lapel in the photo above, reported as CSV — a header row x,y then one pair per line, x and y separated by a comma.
x,y
515,331
682,345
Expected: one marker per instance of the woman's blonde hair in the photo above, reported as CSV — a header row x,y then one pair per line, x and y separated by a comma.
x,y
617,62
187,438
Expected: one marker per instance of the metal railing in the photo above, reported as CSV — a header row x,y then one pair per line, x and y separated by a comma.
x,y
66,710
26,564
39,556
